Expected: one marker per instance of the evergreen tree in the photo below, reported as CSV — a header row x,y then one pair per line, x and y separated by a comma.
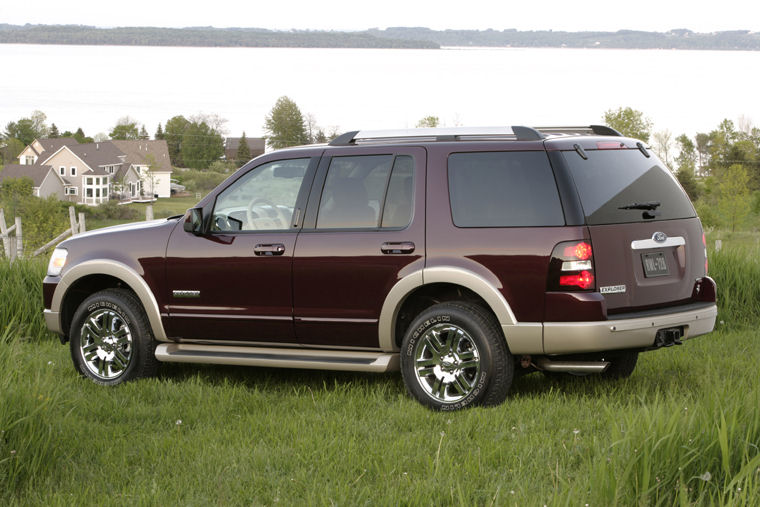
x,y
80,137
159,133
285,125
144,133
243,152
54,132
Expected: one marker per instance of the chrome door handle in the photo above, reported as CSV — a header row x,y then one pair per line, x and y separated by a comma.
x,y
270,249
404,247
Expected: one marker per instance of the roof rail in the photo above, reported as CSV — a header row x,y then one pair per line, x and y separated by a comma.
x,y
599,130
516,133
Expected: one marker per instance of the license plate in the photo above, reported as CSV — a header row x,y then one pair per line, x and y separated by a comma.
x,y
654,264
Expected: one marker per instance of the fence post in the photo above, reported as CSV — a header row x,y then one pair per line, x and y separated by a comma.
x,y
19,241
73,221
82,227
4,232
718,245
149,212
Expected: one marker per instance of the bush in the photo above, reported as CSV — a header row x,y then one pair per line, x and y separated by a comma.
x,y
201,181
113,211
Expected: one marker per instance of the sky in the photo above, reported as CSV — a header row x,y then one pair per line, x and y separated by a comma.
x,y
578,15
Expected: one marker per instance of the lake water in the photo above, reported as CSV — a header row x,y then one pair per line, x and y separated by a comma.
x,y
93,86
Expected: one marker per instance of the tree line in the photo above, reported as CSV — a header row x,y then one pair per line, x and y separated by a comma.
x,y
194,142
719,169
392,38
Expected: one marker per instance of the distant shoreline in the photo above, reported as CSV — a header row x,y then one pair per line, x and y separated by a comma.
x,y
389,38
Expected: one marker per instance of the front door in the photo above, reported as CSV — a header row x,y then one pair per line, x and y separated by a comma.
x,y
234,283
364,231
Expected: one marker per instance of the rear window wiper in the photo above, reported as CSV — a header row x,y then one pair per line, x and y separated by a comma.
x,y
642,205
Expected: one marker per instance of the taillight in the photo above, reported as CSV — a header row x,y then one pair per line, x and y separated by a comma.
x,y
572,267
704,243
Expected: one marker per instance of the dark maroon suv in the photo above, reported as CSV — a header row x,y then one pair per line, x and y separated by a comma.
x,y
460,256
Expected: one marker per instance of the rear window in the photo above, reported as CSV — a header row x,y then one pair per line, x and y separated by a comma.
x,y
503,189
612,180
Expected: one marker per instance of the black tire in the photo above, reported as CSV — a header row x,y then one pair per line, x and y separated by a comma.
x,y
110,339
477,368
621,365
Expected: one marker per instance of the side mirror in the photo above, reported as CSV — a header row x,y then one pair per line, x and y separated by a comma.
x,y
194,222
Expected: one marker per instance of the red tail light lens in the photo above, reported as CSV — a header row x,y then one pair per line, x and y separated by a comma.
x,y
571,267
580,251
584,280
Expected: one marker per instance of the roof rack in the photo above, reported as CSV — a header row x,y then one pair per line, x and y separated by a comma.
x,y
516,133
599,130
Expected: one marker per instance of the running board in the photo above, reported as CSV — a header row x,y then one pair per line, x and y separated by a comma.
x,y
545,364
345,360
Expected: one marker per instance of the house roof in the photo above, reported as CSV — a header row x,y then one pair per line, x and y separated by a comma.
x,y
52,145
254,143
142,152
36,173
98,155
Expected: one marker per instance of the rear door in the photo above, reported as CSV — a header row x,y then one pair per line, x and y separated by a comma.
x,y
647,241
364,231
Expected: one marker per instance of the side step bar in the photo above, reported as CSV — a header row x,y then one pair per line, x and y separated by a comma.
x,y
345,360
571,366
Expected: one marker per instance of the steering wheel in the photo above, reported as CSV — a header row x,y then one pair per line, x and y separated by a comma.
x,y
266,214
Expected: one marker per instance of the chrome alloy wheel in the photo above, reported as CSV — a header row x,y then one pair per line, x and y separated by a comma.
x,y
106,344
447,363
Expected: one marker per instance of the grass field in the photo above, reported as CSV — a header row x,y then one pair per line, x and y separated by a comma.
x,y
684,429
162,208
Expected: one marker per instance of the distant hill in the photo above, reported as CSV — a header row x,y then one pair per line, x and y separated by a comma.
x,y
198,36
623,39
398,37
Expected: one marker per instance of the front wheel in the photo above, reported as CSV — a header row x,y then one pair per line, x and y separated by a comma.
x,y
454,355
111,340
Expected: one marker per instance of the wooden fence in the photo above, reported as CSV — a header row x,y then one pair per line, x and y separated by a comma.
x,y
12,237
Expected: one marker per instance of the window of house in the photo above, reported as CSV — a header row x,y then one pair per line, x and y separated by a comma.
x,y
88,192
73,171
71,190
89,181
62,171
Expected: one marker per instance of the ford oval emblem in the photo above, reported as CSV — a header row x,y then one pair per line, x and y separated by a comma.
x,y
659,237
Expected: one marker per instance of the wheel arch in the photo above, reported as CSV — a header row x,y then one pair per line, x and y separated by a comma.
x,y
429,286
78,282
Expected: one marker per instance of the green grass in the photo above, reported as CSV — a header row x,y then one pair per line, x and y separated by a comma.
x,y
682,430
162,208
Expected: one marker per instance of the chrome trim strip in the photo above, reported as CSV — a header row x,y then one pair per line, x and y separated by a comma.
x,y
241,343
646,244
574,337
186,293
342,321
279,358
118,270
228,316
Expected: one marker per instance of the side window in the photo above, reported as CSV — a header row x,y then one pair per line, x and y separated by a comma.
x,y
263,199
503,189
354,192
399,201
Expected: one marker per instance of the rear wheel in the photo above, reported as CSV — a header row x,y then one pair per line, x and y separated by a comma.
x,y
454,355
111,341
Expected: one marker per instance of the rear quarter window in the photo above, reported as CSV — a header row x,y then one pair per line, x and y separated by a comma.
x,y
613,179
503,189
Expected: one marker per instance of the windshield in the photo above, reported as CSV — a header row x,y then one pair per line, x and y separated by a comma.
x,y
624,186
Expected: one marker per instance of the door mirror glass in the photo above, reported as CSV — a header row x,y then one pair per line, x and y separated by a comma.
x,y
194,222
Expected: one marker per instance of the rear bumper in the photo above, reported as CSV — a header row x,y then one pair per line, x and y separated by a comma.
x,y
616,334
